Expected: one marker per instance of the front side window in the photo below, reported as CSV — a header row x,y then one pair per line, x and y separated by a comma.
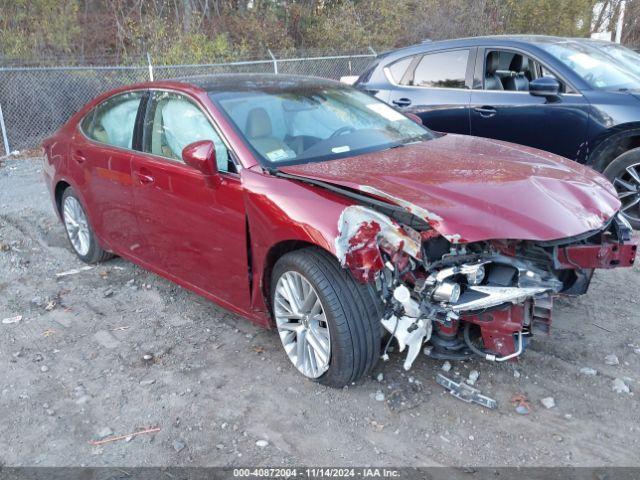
x,y
113,121
593,66
298,125
173,122
442,70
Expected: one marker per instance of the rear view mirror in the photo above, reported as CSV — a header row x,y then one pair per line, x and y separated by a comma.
x,y
201,155
544,87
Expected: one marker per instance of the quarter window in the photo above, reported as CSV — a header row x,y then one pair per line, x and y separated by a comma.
x,y
173,122
112,122
442,70
399,68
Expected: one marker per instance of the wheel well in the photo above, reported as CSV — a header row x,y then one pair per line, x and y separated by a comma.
x,y
275,253
613,148
60,188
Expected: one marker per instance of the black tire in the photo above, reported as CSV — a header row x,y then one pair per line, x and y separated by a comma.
x,y
353,311
95,254
617,169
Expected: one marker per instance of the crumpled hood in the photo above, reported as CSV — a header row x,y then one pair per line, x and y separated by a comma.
x,y
471,189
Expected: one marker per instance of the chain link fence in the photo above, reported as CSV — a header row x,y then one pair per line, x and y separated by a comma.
x,y
35,101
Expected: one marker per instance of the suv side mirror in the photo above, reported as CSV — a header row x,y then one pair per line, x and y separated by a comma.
x,y
201,155
544,87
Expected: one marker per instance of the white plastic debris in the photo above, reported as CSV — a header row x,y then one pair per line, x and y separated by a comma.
x,y
588,371
446,366
620,387
262,443
10,320
73,271
611,359
473,377
548,402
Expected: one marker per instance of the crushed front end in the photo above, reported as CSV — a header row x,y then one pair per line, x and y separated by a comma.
x,y
461,299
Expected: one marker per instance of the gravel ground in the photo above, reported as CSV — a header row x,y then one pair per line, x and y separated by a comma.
x,y
116,349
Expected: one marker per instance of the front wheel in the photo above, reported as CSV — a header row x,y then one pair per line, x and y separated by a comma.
x,y
328,323
624,173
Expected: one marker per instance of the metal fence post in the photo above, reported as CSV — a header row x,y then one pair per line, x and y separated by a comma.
x,y
150,67
5,140
275,61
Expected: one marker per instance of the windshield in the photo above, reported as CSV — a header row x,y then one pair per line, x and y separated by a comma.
x,y
598,69
291,126
624,56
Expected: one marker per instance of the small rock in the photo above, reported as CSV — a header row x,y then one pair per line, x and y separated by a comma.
x,y
620,387
446,366
220,446
379,396
471,438
178,446
10,320
516,374
147,382
147,357
548,402
588,371
611,359
636,350
380,377
262,443
557,438
105,432
44,368
473,377
107,293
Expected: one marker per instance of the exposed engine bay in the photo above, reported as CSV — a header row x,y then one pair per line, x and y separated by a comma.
x,y
461,299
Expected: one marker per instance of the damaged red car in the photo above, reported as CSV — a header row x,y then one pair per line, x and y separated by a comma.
x,y
313,208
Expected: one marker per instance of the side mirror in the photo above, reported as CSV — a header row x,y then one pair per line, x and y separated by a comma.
x,y
544,87
201,155
415,118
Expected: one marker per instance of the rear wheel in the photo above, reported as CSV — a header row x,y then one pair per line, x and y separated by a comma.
x,y
79,231
624,173
328,323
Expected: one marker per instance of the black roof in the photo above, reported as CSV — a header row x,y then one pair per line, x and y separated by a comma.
x,y
237,82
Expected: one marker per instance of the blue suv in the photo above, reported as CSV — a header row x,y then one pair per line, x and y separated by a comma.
x,y
577,98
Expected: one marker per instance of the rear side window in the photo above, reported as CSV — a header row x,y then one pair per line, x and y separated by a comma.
x,y
399,68
112,122
441,70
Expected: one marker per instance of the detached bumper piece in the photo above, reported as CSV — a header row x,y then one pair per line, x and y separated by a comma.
x,y
466,393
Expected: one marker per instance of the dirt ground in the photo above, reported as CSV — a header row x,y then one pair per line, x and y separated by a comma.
x,y
115,349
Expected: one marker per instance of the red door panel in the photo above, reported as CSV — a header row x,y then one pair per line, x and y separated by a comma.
x,y
191,230
106,186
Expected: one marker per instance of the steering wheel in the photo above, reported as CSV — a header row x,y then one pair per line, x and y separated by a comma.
x,y
342,131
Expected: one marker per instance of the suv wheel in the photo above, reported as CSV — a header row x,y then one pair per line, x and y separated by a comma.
x,y
328,323
624,173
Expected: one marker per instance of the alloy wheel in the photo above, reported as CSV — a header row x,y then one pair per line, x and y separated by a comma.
x,y
302,324
75,221
627,185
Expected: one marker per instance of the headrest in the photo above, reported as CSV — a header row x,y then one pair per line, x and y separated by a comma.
x,y
493,62
517,62
258,123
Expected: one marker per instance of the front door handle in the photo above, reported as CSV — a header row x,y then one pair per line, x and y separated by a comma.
x,y
402,102
486,111
144,177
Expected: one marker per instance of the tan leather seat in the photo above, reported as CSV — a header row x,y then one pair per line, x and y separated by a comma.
x,y
259,131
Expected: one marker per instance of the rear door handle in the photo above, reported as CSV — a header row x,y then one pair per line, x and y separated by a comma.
x,y
144,176
78,156
402,102
486,111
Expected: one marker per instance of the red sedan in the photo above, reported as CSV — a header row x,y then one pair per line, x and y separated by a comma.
x,y
310,206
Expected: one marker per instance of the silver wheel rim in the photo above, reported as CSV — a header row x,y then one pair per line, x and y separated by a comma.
x,y
627,185
75,221
302,324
